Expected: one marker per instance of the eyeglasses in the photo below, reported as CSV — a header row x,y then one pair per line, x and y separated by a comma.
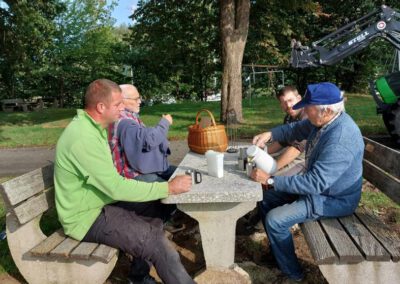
x,y
134,99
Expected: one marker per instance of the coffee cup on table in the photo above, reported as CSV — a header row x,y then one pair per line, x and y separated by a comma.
x,y
196,176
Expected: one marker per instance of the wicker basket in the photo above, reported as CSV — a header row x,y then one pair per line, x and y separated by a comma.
x,y
212,137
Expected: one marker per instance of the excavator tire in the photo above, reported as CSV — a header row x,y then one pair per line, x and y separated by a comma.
x,y
391,118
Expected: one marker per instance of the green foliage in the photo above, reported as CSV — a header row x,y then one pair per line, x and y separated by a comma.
x,y
175,47
56,48
26,29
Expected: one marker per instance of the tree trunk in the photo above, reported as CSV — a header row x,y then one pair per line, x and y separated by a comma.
x,y
234,30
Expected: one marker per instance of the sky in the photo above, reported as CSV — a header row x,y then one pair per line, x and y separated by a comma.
x,y
123,10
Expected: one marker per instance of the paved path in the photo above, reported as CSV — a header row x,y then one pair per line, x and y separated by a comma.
x,y
21,160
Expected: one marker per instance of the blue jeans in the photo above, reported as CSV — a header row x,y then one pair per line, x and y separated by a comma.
x,y
279,212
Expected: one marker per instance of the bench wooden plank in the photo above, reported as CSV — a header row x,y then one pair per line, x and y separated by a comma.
x,y
104,253
83,250
386,183
317,243
34,206
48,244
389,239
383,157
341,242
23,187
365,241
64,248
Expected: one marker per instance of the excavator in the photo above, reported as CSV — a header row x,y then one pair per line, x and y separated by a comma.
x,y
351,38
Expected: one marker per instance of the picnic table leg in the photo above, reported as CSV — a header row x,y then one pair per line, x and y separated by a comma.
x,y
217,222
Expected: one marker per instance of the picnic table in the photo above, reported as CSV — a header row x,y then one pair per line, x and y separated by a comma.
x,y
217,204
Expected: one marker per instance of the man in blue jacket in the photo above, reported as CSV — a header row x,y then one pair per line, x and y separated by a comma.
x,y
141,153
138,151
331,184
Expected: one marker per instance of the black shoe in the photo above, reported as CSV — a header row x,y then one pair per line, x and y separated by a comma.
x,y
283,279
145,280
269,261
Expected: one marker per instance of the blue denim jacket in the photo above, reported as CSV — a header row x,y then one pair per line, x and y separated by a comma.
x,y
332,181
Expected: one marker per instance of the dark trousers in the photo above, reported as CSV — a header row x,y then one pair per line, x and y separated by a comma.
x,y
137,228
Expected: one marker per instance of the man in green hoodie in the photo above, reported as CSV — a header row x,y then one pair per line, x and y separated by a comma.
x,y
95,204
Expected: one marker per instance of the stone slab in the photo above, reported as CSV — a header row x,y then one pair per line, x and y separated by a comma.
x,y
234,186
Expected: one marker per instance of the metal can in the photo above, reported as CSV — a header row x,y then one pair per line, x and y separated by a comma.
x,y
249,168
242,164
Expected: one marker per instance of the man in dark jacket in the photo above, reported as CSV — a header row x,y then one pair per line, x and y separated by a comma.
x,y
290,158
138,151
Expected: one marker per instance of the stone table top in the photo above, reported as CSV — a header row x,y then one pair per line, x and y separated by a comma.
x,y
234,186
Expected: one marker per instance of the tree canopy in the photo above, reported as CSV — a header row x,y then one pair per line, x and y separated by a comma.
x,y
174,48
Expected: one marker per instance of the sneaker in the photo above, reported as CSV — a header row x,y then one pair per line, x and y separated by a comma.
x,y
269,261
145,280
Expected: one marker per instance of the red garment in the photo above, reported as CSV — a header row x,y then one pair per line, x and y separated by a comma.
x,y
120,160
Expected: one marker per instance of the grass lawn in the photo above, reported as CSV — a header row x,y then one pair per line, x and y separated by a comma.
x,y
43,128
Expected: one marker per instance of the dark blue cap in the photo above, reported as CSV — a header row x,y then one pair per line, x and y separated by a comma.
x,y
320,94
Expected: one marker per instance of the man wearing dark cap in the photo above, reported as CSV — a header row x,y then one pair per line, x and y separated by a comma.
x,y
332,181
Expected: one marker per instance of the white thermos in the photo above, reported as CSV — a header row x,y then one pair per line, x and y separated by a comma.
x,y
262,159
215,163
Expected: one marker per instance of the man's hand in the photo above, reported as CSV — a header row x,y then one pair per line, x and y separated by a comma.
x,y
261,139
180,184
168,117
260,176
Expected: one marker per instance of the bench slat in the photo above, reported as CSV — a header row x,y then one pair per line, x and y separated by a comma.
x,y
48,244
35,206
83,250
382,156
389,240
64,249
383,181
341,242
318,244
23,187
365,241
104,253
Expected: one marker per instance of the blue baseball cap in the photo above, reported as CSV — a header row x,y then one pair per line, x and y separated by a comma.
x,y
320,94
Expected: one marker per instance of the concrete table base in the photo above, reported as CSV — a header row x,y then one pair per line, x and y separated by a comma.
x,y
217,222
234,275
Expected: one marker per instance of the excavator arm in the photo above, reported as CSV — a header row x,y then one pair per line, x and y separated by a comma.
x,y
353,37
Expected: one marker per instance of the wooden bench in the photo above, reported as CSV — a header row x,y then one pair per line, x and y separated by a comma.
x,y
360,248
56,258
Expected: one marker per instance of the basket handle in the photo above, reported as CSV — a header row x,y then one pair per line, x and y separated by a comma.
x,y
209,113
